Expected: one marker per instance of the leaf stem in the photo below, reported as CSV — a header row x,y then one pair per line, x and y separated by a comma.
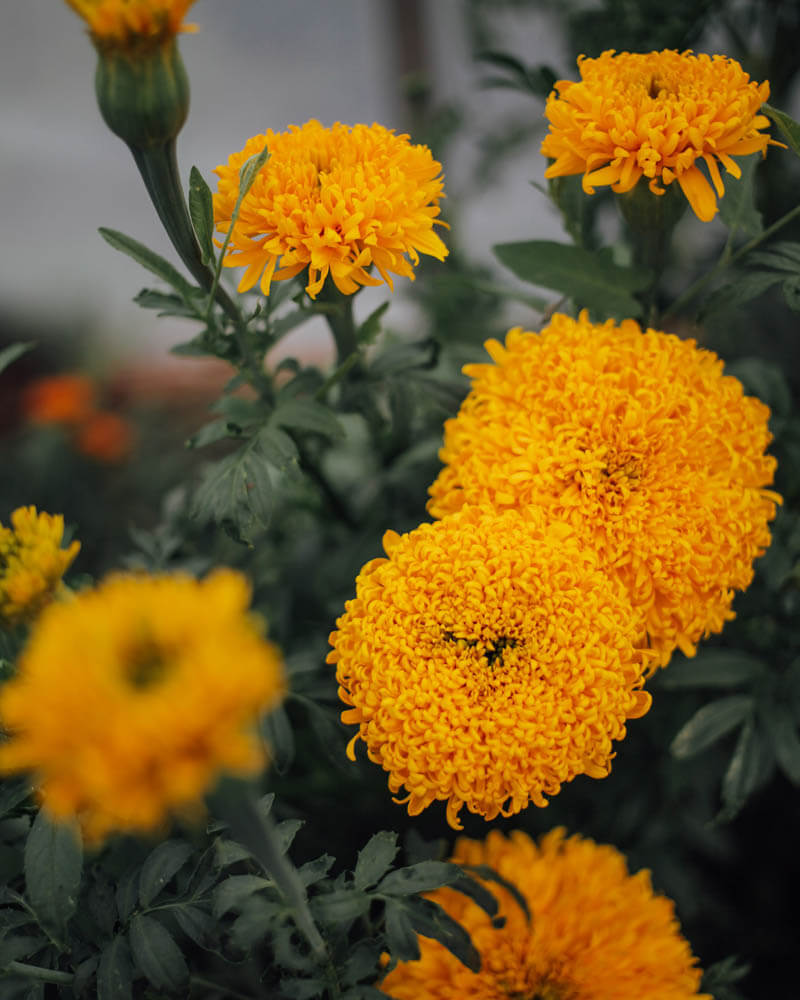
x,y
39,973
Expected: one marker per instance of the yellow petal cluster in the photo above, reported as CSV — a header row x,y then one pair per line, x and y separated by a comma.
x,y
122,23
487,661
131,698
656,115
595,931
32,563
640,443
338,201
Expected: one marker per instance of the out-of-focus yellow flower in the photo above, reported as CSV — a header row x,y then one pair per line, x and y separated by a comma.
x,y
595,931
131,699
32,563
123,23
337,201
656,115
641,444
487,661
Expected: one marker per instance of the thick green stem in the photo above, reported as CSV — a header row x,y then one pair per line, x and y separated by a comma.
x,y
159,169
39,973
338,312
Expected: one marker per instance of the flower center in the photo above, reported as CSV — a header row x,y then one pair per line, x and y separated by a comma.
x,y
145,665
492,650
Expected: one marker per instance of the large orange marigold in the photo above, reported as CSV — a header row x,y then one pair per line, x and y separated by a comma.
x,y
640,443
487,660
656,115
595,932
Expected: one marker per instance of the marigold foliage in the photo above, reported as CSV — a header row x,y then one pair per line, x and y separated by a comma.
x,y
641,444
132,698
122,23
656,115
337,201
487,660
595,932
32,563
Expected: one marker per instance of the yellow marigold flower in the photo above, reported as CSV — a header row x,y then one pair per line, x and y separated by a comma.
x,y
487,661
132,698
32,563
640,443
656,115
121,23
335,200
595,931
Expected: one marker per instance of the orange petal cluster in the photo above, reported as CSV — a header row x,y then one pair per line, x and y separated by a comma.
x,y
641,444
656,115
338,201
487,661
122,23
595,931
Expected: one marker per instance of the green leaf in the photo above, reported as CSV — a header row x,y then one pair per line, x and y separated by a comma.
x,y
401,939
785,740
156,953
711,668
737,209
115,972
149,260
766,380
374,859
303,989
431,920
422,877
202,214
277,448
791,293
160,866
12,793
362,961
490,875
788,127
10,354
277,731
747,769
236,490
747,286
210,434
196,924
127,894
167,305
234,890
307,415
340,906
710,724
248,173
371,326
591,279
53,867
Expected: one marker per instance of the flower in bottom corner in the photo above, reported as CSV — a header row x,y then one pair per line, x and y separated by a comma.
x,y
131,699
594,932
487,661
32,563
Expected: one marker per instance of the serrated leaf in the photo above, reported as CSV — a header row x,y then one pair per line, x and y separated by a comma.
x,y
313,871
228,852
237,489
340,906
160,866
590,278
196,924
307,415
277,731
167,305
785,740
156,953
737,209
277,447
10,354
127,894
710,724
711,668
234,890
115,971
745,770
395,359
210,434
375,858
148,259
745,288
788,127
362,961
53,868
431,920
202,214
401,939
422,877
371,327
286,831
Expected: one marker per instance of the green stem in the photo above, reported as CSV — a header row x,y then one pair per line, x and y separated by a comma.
x,y
726,259
338,312
159,169
39,973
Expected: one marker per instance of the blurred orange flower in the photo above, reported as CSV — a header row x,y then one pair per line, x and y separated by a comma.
x,y
105,436
59,399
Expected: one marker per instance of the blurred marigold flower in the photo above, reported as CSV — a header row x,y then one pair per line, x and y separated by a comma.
x,y
32,563
487,661
641,444
595,932
656,115
122,23
59,399
132,698
105,436
334,200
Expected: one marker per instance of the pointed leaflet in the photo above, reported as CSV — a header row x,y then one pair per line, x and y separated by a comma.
x,y
149,260
156,953
375,858
115,972
750,764
53,866
711,723
737,209
159,867
712,668
12,352
202,214
788,127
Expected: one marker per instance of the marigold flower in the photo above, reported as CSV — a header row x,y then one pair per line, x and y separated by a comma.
x,y
656,115
105,436
132,698
487,661
335,200
59,399
640,443
32,563
595,931
126,22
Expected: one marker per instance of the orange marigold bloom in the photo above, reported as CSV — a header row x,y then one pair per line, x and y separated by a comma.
x,y
487,661
126,22
105,436
656,115
334,200
130,699
640,443
595,931
59,399
32,563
